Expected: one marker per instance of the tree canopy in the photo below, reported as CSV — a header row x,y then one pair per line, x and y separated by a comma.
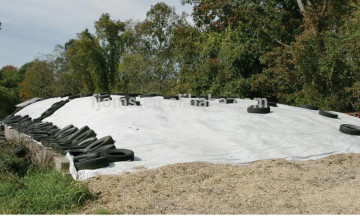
x,y
293,51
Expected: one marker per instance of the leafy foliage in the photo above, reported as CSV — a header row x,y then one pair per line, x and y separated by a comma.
x,y
292,51
28,189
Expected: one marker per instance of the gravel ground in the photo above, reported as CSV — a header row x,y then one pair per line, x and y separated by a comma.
x,y
326,186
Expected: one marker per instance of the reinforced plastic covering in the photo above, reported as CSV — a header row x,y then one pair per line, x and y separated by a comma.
x,y
162,132
28,102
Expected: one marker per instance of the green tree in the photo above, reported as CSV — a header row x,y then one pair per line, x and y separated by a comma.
x,y
9,80
109,33
38,81
151,39
87,63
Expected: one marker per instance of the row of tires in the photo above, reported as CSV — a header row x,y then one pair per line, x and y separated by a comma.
x,y
344,128
88,151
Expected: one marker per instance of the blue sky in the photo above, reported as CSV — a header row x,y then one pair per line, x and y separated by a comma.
x,y
33,27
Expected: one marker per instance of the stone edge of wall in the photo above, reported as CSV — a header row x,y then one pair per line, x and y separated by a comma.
x,y
38,153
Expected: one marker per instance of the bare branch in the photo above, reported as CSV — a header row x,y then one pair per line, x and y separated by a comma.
x,y
301,6
281,43
324,7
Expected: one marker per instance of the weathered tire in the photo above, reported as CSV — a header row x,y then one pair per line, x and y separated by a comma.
x,y
76,152
62,130
350,129
271,103
102,148
86,95
132,95
227,101
65,95
94,163
19,152
87,142
171,97
147,95
258,110
103,141
129,101
86,157
83,136
120,93
115,155
328,114
77,133
310,107
74,96
67,133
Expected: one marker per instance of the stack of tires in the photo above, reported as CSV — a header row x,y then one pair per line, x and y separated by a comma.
x,y
88,151
52,109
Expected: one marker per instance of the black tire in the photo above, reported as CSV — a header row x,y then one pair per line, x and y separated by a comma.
x,y
65,95
102,148
103,141
328,114
258,110
77,133
219,97
103,93
86,95
86,157
310,107
103,96
131,95
83,136
129,101
147,95
271,103
227,101
67,133
62,130
120,93
115,155
194,102
76,152
171,97
87,142
19,152
350,129
74,96
94,163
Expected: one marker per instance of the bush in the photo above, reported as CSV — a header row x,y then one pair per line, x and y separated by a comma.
x,y
29,189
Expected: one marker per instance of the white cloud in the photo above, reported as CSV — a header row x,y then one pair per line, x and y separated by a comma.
x,y
33,26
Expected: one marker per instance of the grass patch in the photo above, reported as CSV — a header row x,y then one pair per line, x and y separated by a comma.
x,y
30,189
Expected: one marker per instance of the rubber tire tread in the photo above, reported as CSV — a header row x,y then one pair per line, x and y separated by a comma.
x,y
95,163
328,114
115,155
258,110
350,129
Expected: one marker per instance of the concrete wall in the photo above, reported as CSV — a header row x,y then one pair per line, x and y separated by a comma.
x,y
38,153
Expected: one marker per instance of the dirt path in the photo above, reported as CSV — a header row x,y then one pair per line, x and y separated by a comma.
x,y
330,185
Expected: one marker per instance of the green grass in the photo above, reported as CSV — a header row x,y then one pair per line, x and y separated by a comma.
x,y
30,189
